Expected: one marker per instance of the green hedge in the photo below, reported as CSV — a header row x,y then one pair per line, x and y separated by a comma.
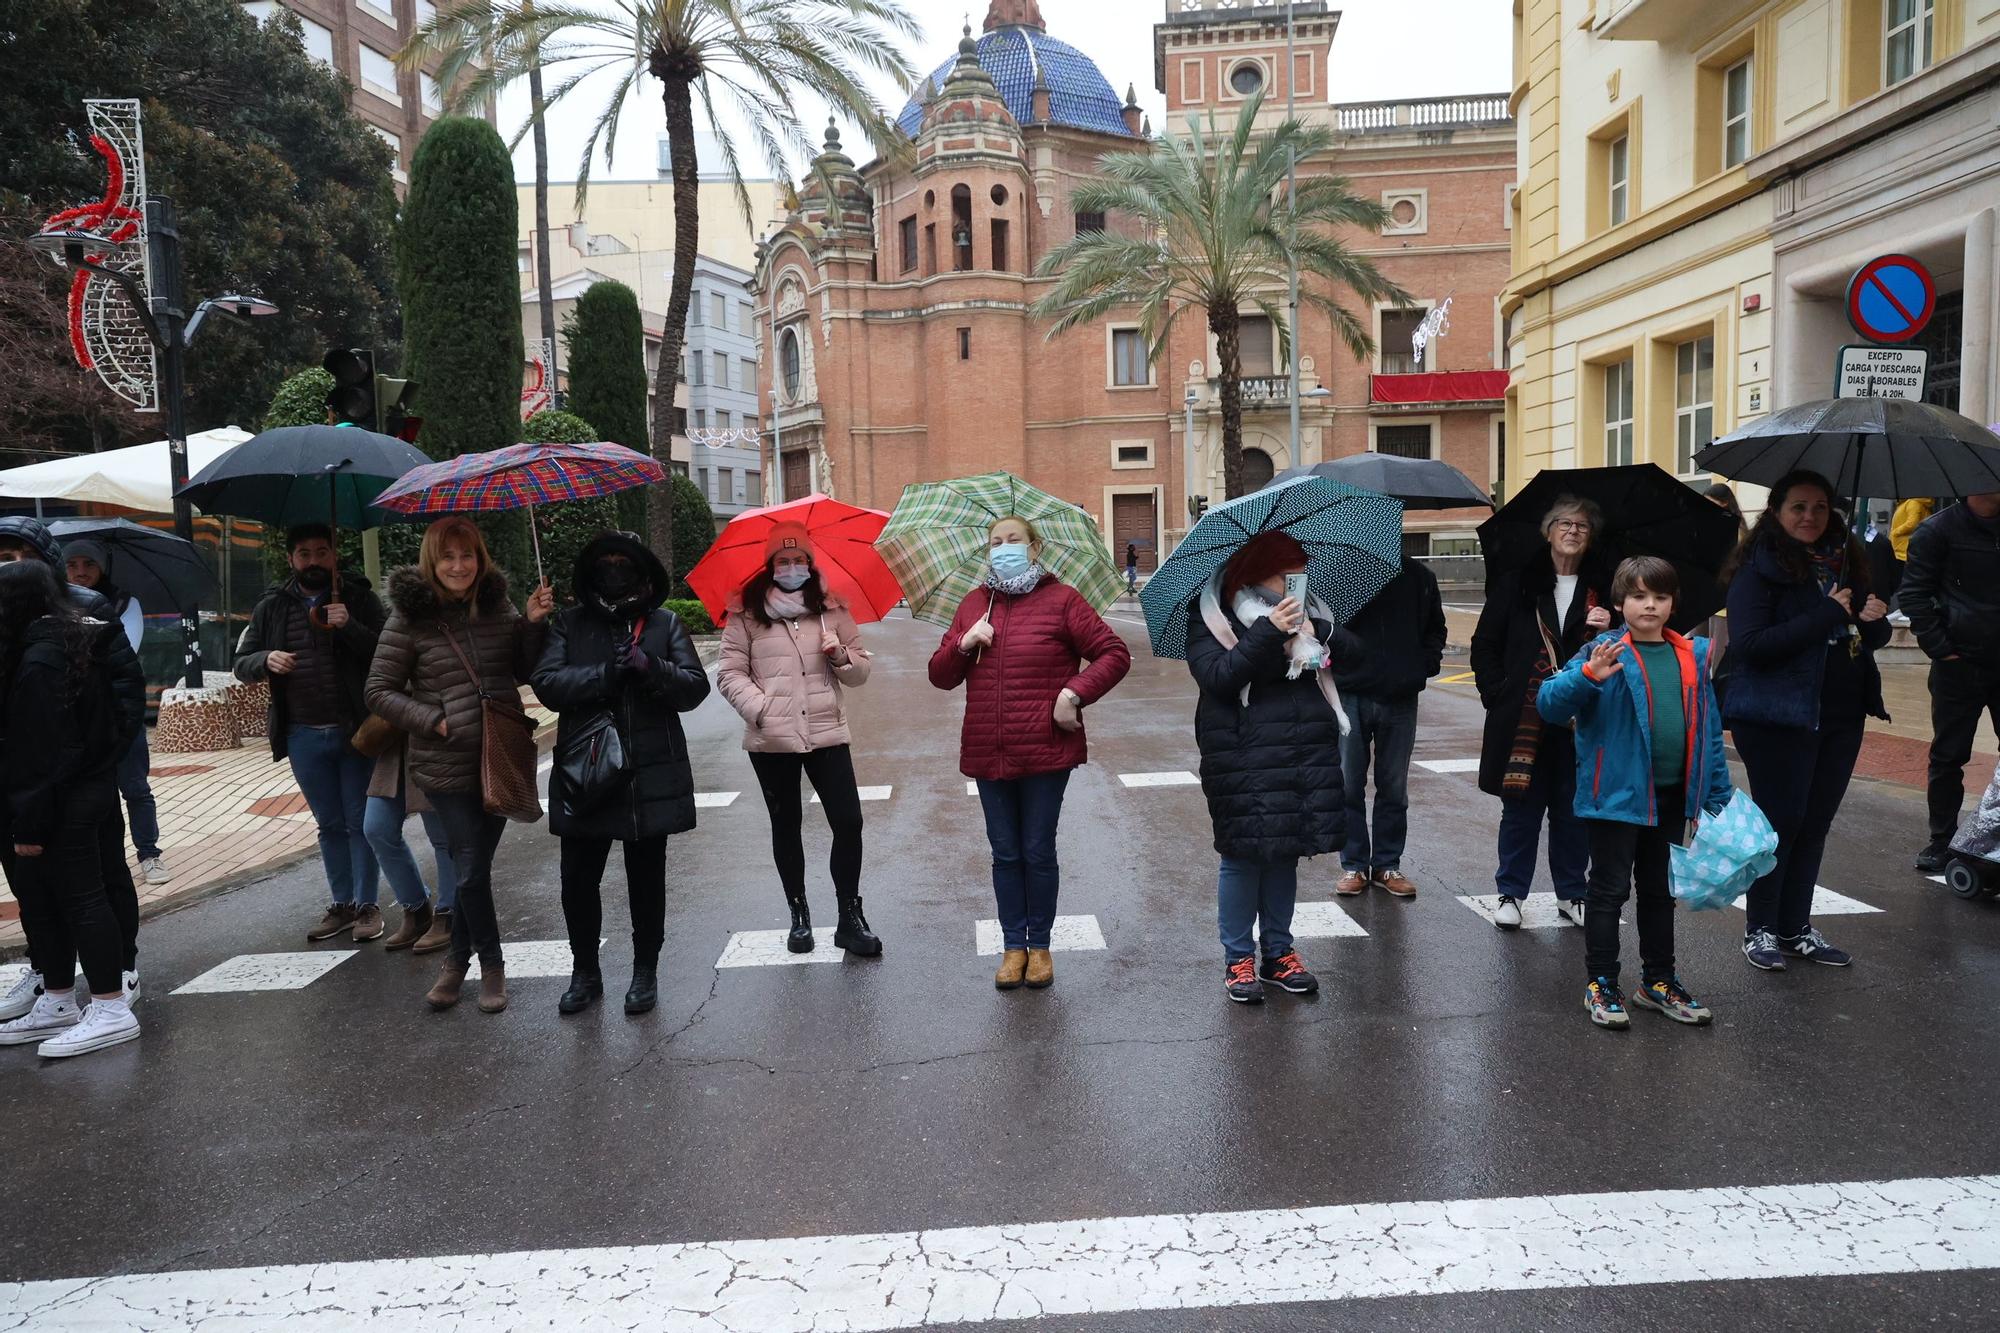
x,y
693,615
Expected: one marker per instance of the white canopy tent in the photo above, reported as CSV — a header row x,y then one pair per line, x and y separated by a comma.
x,y
137,477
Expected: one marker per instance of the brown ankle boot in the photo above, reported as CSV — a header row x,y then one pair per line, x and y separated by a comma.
x,y
444,994
492,988
416,920
1041,969
1013,965
436,936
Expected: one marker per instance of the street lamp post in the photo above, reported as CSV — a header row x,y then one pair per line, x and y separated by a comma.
x,y
1187,459
1291,237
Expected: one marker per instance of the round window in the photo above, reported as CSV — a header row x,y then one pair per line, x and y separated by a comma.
x,y
1404,212
1247,77
999,194
788,361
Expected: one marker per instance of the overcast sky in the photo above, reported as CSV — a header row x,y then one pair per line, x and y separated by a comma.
x,y
1383,49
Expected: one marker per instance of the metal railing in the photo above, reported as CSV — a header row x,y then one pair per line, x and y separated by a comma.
x,y
1264,390
1424,113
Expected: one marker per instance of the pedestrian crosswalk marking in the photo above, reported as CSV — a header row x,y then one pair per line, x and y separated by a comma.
x,y
1177,778
971,787
766,948
1828,903
266,971
1448,765
1094,1266
1323,921
1067,933
1538,910
865,793
715,800
533,958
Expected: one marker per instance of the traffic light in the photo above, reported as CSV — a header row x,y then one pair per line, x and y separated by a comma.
x,y
1197,505
351,401
393,399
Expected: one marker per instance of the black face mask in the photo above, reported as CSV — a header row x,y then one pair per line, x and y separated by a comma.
x,y
314,578
618,585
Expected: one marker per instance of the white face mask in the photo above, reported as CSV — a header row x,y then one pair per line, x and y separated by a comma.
x,y
792,577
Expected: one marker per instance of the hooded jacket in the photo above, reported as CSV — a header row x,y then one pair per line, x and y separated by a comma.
x,y
352,646
417,680
787,690
73,737
1508,639
121,665
576,677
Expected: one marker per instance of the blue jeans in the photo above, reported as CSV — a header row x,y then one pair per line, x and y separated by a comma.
x,y
138,794
1389,728
1552,794
384,826
1259,894
1021,818
333,777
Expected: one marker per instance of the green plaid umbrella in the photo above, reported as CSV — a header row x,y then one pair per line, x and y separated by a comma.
x,y
936,541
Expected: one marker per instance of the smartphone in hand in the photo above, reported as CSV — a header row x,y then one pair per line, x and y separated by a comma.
x,y
1295,588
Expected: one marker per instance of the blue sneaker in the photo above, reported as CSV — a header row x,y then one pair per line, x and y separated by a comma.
x,y
1813,946
1605,1005
1671,998
1761,948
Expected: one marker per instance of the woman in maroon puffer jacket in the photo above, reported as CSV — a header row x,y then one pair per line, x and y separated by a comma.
x,y
1019,645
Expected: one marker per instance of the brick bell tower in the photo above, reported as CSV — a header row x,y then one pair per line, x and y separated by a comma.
x,y
1212,55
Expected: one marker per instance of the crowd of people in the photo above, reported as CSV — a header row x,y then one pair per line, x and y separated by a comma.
x,y
1603,726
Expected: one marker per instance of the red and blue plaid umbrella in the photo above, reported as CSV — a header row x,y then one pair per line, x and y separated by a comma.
x,y
520,476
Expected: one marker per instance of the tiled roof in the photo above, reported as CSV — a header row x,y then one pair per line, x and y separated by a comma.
x,y
1079,95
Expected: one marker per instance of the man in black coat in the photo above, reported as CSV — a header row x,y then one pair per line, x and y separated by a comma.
x,y
1951,593
1402,634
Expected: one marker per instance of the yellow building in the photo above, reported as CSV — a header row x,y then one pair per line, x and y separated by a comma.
x,y
1697,180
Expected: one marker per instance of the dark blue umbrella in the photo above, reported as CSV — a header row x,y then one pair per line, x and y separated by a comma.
x,y
1353,541
306,474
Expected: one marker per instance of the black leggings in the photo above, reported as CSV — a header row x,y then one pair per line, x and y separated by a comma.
x,y
832,774
645,888
474,836
50,948
69,910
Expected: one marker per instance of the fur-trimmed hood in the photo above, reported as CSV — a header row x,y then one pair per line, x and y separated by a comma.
x,y
415,598
629,545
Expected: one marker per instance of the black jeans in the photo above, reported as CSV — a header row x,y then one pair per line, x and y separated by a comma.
x,y
50,948
1797,778
1624,857
832,773
645,888
67,908
1960,692
473,836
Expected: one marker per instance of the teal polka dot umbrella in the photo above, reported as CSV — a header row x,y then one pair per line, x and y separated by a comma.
x,y
1353,540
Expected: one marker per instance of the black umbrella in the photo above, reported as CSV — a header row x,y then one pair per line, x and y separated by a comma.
x,y
1420,483
306,474
1891,448
1646,512
157,568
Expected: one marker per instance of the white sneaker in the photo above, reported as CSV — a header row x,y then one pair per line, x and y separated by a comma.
x,y
51,1014
1507,915
131,989
154,868
21,998
105,1023
1571,909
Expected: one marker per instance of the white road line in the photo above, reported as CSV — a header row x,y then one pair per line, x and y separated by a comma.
x,y
1066,934
715,800
1126,620
533,958
766,948
1201,1261
1177,778
1538,910
865,793
1324,920
267,971
971,787
1448,765
1828,903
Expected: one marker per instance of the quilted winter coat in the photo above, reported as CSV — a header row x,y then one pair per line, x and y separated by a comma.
x,y
1269,768
787,690
417,679
1041,638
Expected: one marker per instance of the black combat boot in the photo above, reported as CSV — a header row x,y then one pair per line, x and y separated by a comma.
x,y
644,992
853,934
586,987
800,940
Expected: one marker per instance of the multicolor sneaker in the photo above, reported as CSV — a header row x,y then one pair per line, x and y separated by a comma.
x,y
1605,1004
1671,998
1288,973
1812,945
1761,948
1240,981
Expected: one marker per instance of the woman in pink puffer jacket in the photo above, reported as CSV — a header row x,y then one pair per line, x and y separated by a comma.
x,y
787,653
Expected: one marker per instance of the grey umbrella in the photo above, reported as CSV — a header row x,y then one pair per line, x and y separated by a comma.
x,y
1420,483
1890,448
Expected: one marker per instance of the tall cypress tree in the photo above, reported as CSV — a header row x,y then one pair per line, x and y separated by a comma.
x,y
604,347
457,279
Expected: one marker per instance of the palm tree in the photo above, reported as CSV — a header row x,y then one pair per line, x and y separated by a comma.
x,y
753,56
1217,236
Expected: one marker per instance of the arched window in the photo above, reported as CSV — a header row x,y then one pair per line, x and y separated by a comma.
x,y
788,364
1257,470
961,228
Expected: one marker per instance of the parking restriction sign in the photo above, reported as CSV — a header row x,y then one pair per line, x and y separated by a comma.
x,y
1882,372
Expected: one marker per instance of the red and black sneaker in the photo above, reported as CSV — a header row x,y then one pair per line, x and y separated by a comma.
x,y
1288,973
1239,979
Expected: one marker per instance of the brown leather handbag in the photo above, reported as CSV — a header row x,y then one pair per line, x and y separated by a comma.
x,y
506,748
375,735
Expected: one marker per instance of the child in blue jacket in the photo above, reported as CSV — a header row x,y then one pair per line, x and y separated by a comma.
x,y
1648,758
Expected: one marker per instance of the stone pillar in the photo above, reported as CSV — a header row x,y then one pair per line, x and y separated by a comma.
x,y
1976,390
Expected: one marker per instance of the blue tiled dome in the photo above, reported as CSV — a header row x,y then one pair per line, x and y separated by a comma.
x,y
1079,96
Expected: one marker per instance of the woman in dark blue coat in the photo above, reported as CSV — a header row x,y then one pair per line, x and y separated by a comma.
x,y
1269,732
1802,682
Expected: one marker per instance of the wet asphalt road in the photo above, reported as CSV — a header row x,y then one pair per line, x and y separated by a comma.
x,y
1442,1060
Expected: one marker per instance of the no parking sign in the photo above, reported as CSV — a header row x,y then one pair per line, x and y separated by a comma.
x,y
1889,300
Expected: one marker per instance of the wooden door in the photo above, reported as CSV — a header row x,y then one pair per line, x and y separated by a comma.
x,y
797,474
1134,520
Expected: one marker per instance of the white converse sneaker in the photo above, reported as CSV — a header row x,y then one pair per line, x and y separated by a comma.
x,y
21,997
105,1023
1507,916
155,870
131,989
52,1014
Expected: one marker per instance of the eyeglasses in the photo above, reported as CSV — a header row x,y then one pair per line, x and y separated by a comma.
x,y
1570,525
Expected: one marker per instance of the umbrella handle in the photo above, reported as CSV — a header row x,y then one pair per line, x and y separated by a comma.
x,y
535,536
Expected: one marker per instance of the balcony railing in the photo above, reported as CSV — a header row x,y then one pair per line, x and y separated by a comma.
x,y
1223,11
1431,113
1265,390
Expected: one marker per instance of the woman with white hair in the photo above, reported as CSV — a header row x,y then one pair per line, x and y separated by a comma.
x,y
1536,618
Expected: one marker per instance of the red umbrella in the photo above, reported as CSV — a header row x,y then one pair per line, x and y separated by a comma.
x,y
843,538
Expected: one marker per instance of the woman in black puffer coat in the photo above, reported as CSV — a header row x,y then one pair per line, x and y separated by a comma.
x,y
619,651
1269,730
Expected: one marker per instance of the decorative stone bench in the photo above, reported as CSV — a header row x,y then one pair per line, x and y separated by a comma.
x,y
216,717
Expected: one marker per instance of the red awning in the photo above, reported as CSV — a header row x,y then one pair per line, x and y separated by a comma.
x,y
1451,386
